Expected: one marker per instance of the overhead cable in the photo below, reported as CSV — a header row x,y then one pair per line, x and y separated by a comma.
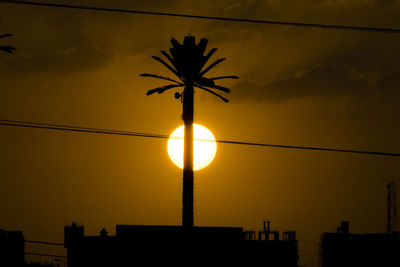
x,y
59,127
228,19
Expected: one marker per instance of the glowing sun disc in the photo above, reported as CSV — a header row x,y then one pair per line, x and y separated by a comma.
x,y
204,147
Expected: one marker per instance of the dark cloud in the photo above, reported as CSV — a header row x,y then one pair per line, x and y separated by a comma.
x,y
83,57
358,3
385,2
319,81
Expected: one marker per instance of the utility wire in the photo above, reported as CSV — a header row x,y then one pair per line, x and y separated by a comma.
x,y
44,242
46,255
281,23
77,129
162,136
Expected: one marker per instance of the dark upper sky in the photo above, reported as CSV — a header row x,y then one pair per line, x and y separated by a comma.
x,y
297,86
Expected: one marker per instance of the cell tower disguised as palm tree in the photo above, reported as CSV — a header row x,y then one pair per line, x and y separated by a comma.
x,y
187,62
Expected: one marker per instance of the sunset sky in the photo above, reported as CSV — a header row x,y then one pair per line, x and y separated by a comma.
x,y
297,86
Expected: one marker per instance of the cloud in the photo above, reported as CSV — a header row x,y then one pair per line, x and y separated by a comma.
x,y
357,3
83,57
318,81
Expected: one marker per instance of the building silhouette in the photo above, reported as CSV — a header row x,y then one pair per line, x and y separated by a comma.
x,y
180,246
12,248
40,264
345,249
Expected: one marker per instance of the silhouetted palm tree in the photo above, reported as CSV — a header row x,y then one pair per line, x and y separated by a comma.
x,y
187,62
7,48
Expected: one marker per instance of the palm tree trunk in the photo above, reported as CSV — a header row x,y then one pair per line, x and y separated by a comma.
x,y
187,116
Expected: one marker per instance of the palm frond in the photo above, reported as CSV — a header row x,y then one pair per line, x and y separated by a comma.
x,y
202,45
160,77
207,57
166,65
162,89
212,92
176,46
221,88
6,35
175,43
170,59
211,66
205,82
224,77
8,49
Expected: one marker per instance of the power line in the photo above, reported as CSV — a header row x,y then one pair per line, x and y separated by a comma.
x,y
59,127
281,23
311,148
77,129
46,255
44,242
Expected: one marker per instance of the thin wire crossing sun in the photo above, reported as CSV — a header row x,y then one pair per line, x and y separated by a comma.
x,y
187,62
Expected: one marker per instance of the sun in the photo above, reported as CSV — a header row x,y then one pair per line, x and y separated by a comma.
x,y
204,147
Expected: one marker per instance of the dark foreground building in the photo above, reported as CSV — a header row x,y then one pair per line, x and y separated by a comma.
x,y
135,245
344,249
12,248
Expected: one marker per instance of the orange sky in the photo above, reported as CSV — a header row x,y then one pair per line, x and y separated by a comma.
x,y
297,86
